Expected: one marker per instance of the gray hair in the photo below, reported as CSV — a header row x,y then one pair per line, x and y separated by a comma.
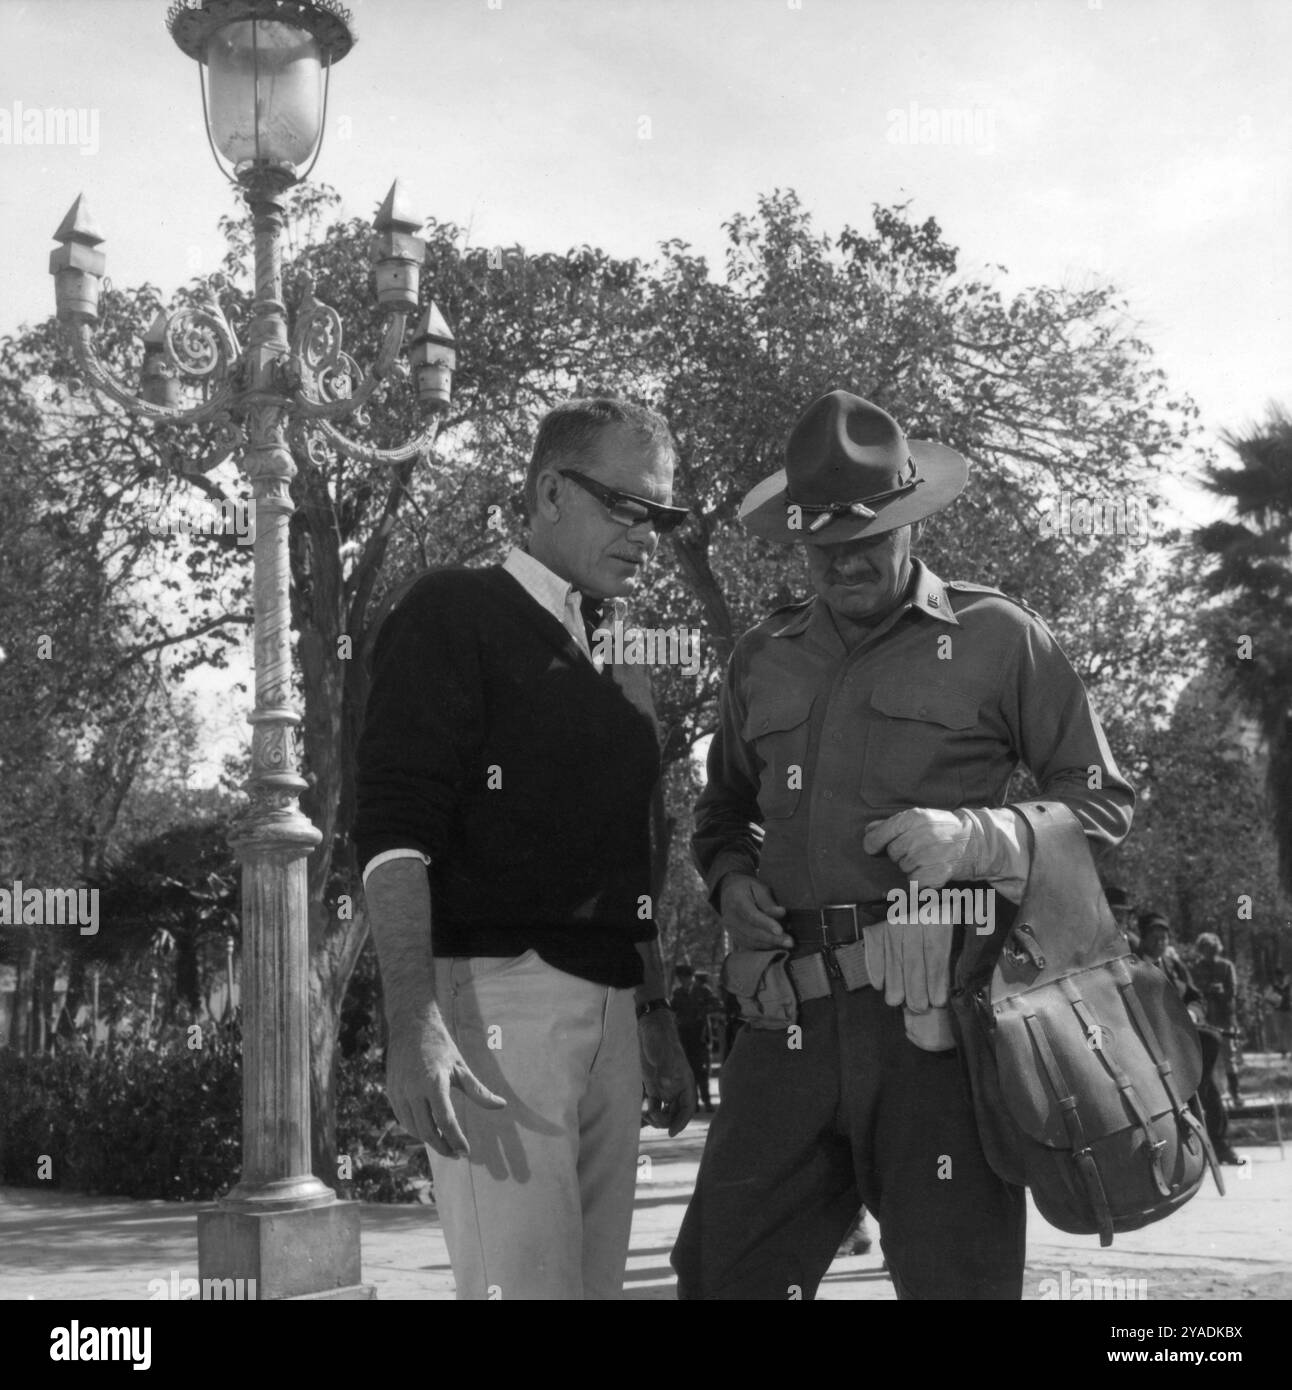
x,y
569,430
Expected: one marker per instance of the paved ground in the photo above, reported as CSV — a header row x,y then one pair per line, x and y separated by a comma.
x,y
56,1245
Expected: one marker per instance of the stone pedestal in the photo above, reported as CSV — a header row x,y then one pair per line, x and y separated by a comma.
x,y
302,1253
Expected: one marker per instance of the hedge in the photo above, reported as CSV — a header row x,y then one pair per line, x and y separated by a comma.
x,y
165,1121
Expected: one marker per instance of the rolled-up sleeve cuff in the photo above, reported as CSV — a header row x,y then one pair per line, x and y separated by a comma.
x,y
388,854
1006,857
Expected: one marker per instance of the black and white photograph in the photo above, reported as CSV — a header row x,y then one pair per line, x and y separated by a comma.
x,y
646,655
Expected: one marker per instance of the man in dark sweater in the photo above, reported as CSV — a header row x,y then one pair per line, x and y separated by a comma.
x,y
505,782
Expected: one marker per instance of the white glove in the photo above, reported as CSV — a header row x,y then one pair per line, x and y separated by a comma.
x,y
912,960
931,1030
934,847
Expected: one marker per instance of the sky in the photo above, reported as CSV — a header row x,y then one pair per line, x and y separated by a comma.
x,y
1146,141
1143,140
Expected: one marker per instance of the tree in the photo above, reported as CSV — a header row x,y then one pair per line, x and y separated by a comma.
x,y
1202,851
171,896
77,717
1246,562
1047,393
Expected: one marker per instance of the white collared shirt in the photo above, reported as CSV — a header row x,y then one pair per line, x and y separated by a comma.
x,y
559,597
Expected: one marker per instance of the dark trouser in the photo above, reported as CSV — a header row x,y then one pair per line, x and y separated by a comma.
x,y
697,1054
805,1135
1213,1108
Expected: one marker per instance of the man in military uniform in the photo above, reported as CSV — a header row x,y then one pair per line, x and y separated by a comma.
x,y
866,741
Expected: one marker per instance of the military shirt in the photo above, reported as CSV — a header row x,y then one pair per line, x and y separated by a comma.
x,y
936,707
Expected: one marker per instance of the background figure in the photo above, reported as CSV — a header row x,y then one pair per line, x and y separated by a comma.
x,y
715,1026
1278,1019
1155,948
1217,981
1123,913
857,1240
692,1000
731,1006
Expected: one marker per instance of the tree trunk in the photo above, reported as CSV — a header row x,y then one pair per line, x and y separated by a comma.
x,y
328,609
188,986
331,966
42,1003
24,986
693,557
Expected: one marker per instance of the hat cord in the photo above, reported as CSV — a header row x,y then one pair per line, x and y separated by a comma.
x,y
860,507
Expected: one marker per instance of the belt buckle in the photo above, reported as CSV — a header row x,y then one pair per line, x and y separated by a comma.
x,y
840,907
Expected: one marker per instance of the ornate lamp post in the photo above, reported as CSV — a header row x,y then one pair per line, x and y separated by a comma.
x,y
266,66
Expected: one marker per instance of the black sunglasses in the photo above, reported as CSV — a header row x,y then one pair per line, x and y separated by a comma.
x,y
625,508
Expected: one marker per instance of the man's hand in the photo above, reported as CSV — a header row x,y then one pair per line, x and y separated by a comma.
x,y
666,1074
422,1065
749,914
933,847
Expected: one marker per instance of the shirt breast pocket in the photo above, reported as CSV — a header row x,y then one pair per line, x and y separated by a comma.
x,y
777,727
918,741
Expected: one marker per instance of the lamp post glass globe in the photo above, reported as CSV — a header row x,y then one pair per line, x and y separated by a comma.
x,y
266,92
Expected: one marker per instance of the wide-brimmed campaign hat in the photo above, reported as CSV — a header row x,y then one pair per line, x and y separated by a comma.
x,y
851,472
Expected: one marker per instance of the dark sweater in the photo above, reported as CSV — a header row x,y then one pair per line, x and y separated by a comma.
x,y
473,683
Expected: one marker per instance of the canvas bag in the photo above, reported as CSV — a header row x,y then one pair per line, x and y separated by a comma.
x,y
1083,1061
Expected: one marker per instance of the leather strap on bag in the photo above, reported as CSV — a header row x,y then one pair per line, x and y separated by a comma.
x,y
1071,1116
1152,1148
1194,1129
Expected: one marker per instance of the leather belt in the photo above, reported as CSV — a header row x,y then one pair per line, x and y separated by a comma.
x,y
828,946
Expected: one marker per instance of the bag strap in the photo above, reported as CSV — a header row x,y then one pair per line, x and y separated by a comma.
x,y
1193,1128
1152,1147
1089,1171
1085,1159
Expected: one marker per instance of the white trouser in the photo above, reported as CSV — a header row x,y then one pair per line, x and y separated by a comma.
x,y
543,1207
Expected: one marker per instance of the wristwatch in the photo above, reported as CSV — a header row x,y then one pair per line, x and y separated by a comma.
x,y
650,1006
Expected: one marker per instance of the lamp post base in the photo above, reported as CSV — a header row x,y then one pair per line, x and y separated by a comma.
x,y
310,1252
